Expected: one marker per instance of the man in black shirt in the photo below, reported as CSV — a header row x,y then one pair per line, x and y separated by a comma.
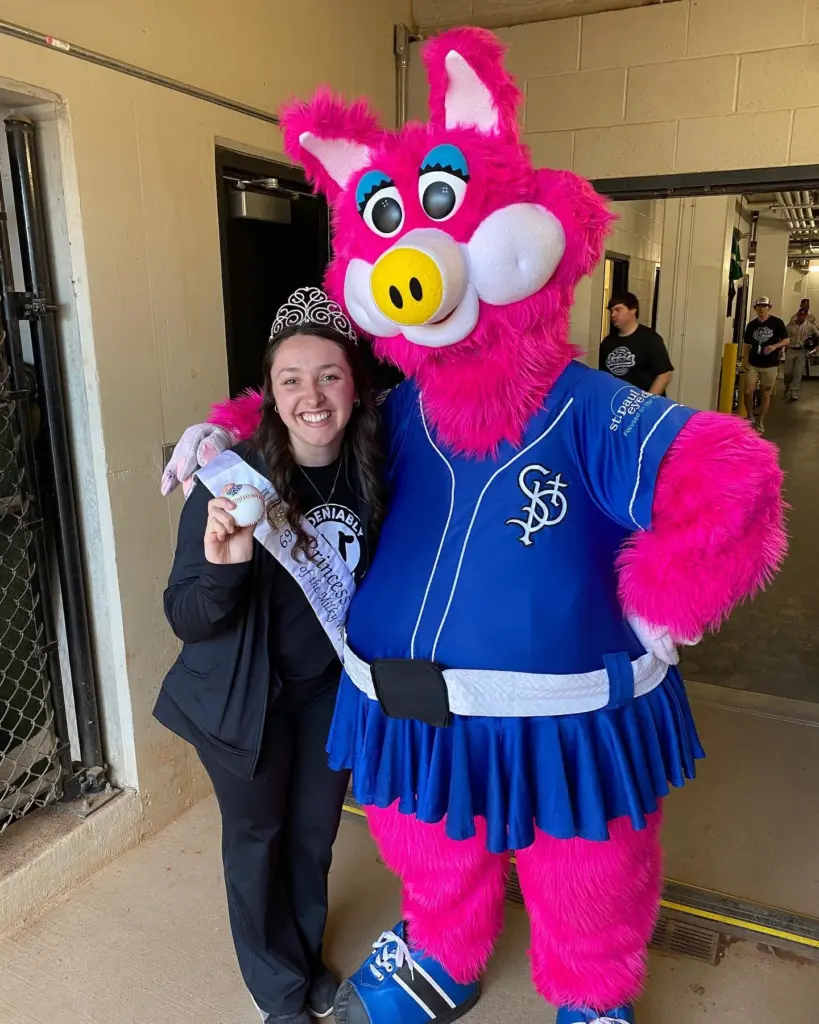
x,y
765,337
634,352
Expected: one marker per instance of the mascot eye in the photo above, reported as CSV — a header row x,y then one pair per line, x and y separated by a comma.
x,y
383,211
441,193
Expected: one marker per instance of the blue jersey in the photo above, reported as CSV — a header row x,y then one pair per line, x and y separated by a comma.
x,y
508,562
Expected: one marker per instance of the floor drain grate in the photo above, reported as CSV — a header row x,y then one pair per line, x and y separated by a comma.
x,y
685,939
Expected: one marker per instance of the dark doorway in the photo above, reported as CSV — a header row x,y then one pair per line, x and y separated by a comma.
x,y
275,237
655,299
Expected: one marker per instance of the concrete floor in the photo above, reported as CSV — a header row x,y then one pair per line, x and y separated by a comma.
x,y
146,941
772,644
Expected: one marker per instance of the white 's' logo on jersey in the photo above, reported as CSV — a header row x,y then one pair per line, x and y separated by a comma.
x,y
547,504
620,360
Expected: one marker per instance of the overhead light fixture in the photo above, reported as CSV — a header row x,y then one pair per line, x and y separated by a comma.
x,y
814,268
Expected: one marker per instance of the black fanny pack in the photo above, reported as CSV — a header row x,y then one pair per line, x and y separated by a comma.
x,y
412,689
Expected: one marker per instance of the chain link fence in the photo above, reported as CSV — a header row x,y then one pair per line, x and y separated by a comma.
x,y
30,774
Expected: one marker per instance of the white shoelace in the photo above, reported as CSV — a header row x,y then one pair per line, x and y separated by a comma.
x,y
393,953
609,1020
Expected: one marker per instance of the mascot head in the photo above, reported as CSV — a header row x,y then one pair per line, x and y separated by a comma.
x,y
450,249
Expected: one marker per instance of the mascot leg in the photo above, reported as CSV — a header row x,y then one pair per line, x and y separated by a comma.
x,y
426,969
592,907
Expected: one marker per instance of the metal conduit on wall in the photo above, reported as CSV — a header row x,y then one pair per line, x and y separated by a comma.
x,y
402,40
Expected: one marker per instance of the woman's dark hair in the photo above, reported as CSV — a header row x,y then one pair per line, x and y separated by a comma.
x,y
361,445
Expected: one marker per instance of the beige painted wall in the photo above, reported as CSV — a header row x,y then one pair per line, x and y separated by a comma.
x,y
131,173
694,85
638,234
694,294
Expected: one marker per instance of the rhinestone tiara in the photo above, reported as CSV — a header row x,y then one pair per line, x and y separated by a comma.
x,y
310,307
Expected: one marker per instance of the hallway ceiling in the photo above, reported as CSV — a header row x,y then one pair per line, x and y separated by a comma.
x,y
801,211
433,15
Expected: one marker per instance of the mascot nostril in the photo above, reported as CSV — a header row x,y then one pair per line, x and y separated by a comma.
x,y
409,286
480,712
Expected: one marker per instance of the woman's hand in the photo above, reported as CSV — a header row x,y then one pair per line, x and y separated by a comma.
x,y
225,542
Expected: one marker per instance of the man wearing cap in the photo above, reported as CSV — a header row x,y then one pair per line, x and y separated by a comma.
x,y
765,337
803,337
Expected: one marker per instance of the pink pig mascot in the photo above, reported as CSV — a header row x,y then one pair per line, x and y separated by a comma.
x,y
511,681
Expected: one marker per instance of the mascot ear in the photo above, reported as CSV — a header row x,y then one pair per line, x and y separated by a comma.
x,y
585,216
469,87
331,139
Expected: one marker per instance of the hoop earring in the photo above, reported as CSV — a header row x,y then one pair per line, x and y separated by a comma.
x,y
275,407
357,401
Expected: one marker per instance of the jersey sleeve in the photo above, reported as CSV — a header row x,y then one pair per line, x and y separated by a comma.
x,y
396,412
621,434
781,331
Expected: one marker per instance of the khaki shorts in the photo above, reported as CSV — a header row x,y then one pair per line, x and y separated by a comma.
x,y
766,375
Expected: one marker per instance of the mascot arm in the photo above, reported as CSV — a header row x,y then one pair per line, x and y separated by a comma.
x,y
717,534
231,421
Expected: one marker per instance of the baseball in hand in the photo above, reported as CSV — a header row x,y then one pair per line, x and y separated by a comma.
x,y
248,501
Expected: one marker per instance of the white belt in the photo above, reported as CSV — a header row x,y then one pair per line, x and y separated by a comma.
x,y
493,694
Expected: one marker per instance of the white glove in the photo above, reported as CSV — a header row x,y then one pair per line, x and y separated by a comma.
x,y
197,446
657,640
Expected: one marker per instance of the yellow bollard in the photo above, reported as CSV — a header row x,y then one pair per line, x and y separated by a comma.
x,y
728,378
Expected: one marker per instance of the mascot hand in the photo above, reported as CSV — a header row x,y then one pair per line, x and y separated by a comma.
x,y
197,446
657,640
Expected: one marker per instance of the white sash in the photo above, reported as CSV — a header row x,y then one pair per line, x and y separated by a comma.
x,y
326,581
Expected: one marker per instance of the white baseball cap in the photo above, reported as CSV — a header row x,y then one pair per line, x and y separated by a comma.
x,y
763,300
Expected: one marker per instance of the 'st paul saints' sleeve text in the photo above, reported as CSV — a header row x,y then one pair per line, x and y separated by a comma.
x,y
621,435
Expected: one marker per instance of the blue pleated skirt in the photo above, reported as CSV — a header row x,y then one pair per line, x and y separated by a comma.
x,y
569,775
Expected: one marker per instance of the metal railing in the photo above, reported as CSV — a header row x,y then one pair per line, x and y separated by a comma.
x,y
30,752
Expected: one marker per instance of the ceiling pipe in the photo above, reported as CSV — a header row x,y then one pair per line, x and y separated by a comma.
x,y
788,211
808,204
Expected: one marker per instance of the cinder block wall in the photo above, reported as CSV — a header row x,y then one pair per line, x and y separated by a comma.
x,y
691,85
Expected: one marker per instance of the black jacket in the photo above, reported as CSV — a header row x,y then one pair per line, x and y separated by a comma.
x,y
217,691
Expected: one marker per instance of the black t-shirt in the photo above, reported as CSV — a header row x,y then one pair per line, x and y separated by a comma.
x,y
637,358
300,650
759,335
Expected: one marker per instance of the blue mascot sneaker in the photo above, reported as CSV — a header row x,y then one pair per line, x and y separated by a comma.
x,y
399,986
620,1015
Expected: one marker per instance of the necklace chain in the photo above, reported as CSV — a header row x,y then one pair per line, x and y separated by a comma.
x,y
312,483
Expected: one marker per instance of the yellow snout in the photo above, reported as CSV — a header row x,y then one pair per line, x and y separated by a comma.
x,y
407,286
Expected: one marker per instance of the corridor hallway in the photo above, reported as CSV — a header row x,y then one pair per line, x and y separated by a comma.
x,y
771,645
146,941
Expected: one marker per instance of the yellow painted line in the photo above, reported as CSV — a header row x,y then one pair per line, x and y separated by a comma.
x,y
708,915
749,926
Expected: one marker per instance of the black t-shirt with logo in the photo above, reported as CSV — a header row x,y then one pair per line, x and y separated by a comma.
x,y
637,358
759,335
301,651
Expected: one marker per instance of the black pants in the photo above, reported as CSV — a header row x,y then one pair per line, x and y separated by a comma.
x,y
278,831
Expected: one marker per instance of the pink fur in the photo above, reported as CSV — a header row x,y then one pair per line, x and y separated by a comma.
x,y
328,117
239,415
718,532
592,908
453,891
484,53
484,390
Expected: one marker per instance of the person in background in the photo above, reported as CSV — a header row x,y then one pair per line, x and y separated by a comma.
x,y
255,684
765,337
803,336
805,304
633,351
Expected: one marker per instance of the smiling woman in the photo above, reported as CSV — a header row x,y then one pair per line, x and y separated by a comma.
x,y
259,608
